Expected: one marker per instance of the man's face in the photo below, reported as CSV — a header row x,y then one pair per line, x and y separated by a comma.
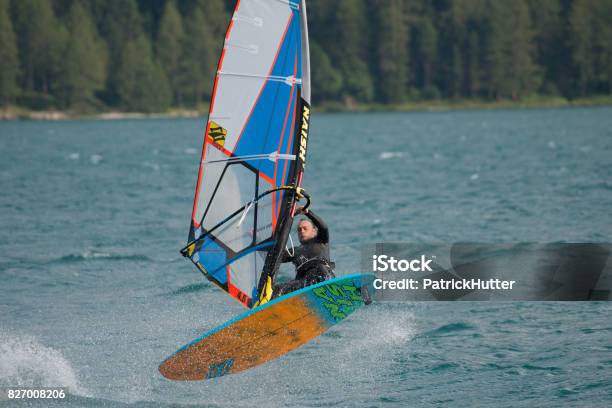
x,y
306,231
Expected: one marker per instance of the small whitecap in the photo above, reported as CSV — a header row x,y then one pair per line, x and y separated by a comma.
x,y
74,156
390,155
27,363
376,221
585,149
190,150
95,158
153,166
474,176
558,171
552,145
437,156
93,254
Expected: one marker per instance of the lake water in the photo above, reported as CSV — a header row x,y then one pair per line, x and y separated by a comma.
x,y
94,293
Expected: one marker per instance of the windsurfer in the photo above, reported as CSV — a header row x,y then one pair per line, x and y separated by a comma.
x,y
311,258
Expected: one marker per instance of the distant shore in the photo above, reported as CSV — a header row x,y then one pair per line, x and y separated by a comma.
x,y
21,113
467,104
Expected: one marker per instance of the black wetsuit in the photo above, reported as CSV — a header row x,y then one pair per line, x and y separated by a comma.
x,y
311,260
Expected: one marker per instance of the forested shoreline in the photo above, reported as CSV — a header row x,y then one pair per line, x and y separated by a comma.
x,y
92,56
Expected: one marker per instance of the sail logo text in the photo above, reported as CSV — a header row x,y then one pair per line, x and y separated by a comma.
x,y
383,263
304,137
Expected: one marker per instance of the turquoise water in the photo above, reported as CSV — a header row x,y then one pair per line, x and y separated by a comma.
x,y
94,293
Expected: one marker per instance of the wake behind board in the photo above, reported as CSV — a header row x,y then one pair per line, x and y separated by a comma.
x,y
269,331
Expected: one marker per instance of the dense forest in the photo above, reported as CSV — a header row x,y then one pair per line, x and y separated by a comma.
x,y
153,55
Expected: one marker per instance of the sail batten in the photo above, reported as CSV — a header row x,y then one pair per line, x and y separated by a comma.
x,y
254,148
289,80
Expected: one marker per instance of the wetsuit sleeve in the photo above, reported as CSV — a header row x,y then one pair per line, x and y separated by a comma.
x,y
323,232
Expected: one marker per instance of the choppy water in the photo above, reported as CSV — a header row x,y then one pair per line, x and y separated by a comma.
x,y
94,294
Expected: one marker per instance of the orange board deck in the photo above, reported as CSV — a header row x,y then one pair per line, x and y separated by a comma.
x,y
269,331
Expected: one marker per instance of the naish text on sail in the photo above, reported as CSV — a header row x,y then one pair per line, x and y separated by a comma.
x,y
304,133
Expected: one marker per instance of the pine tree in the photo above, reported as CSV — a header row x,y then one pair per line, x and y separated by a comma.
x,y
590,37
427,45
198,60
216,15
120,23
326,80
603,45
551,47
9,68
459,38
525,74
84,68
392,50
141,83
454,81
349,49
510,68
474,66
42,41
321,22
581,39
168,47
496,30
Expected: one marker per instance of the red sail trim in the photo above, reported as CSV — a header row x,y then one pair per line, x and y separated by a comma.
x,y
196,223
267,178
238,294
291,134
280,145
234,291
222,149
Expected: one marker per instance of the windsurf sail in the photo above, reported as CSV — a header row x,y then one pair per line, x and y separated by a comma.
x,y
254,149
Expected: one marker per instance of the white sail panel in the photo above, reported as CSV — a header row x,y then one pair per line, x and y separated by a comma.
x,y
254,148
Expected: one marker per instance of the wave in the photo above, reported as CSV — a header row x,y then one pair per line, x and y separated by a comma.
x,y
25,362
192,288
448,329
528,366
81,401
95,159
390,155
89,255
369,341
